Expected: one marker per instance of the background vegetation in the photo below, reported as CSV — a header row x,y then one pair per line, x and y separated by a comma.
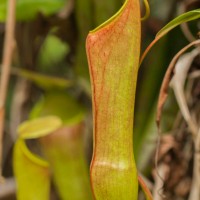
x,y
49,76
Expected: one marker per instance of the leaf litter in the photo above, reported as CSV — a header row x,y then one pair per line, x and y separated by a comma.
x,y
178,151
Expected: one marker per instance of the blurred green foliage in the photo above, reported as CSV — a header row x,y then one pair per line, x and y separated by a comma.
x,y
28,9
52,52
49,42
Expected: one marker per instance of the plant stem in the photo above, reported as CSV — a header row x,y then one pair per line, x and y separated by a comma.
x,y
6,62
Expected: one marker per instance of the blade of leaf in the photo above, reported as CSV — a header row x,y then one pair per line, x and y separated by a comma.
x,y
151,78
113,51
105,9
186,17
52,51
84,18
28,9
43,81
181,70
165,84
31,173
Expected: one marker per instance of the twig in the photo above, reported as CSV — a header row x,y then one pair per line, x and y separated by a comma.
x,y
7,189
178,82
165,84
158,187
184,26
195,193
67,10
195,74
146,180
19,99
6,62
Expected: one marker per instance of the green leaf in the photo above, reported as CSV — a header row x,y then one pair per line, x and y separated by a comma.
x,y
145,127
84,20
31,173
3,4
28,9
186,17
59,104
52,52
43,81
39,127
105,9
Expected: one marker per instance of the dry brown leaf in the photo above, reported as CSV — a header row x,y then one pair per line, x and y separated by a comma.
x,y
181,70
167,143
167,78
